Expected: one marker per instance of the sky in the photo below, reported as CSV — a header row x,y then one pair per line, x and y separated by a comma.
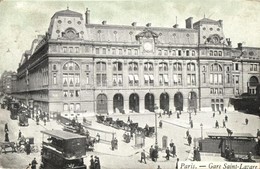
x,y
21,21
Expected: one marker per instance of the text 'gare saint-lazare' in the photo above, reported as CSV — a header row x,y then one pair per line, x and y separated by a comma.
x,y
219,166
102,68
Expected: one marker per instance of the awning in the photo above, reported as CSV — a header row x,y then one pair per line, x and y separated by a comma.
x,y
136,77
151,77
146,77
131,78
165,78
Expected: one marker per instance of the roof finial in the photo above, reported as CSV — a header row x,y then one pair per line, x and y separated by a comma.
x,y
68,7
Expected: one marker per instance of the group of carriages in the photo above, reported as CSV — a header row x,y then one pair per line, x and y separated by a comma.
x,y
76,127
130,127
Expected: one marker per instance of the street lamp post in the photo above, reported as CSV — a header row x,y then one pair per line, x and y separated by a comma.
x,y
201,127
155,109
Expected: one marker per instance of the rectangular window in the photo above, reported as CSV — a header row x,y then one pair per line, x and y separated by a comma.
x,y
173,53
236,66
136,52
188,79
54,78
204,78
77,108
255,67
160,52
77,93
251,67
131,80
166,80
220,53
113,51
193,79
65,79
104,79
129,51
228,78
187,53
146,79
98,79
104,51
120,79
211,79
71,80
215,78
76,79
175,79
120,51
237,79
114,80
65,93
166,52
87,78
65,107
71,49
71,93
97,51
179,52
64,49
179,79
220,78
161,79
77,50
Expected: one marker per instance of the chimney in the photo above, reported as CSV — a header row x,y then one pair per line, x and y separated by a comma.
x,y
228,41
134,24
87,15
239,45
104,22
148,25
176,25
189,23
221,23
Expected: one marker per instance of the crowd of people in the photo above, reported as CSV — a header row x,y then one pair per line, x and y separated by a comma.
x,y
94,162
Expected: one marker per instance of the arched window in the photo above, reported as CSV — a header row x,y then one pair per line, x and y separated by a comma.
x,y
148,66
133,66
191,76
177,73
101,66
216,74
117,66
71,74
163,66
177,67
163,76
191,67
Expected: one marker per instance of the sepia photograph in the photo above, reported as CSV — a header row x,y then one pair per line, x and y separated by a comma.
x,y
129,84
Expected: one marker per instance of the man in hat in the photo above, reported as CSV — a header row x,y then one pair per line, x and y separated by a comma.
x,y
19,134
92,163
6,127
143,156
167,151
6,137
34,163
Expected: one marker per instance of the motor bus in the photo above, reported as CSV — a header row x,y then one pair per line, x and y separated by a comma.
x,y
63,150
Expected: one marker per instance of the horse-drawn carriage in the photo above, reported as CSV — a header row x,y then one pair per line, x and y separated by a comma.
x,y
4,146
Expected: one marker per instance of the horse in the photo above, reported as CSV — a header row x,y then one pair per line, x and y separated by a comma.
x,y
4,145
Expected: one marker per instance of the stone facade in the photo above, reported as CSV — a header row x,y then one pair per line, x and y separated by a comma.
x,y
101,68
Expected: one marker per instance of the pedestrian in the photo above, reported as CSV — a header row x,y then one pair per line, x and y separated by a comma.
x,y
216,124
112,145
246,120
159,167
189,140
219,112
151,152
160,115
6,127
143,157
19,134
226,118
116,143
225,110
37,120
178,115
128,119
195,111
167,151
97,163
155,153
191,124
34,163
27,148
198,155
97,138
194,154
177,164
160,123
187,133
174,150
164,112
224,124
6,136
92,163
44,120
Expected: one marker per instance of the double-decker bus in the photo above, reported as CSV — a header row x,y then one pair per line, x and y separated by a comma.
x,y
63,150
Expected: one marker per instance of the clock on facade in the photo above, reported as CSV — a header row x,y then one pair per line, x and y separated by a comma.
x,y
148,46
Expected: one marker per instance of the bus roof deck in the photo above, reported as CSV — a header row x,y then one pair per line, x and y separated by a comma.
x,y
60,134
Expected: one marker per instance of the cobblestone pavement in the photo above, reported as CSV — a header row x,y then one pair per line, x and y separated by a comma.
x,y
127,156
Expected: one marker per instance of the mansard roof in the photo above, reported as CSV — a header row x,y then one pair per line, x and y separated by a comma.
x,y
67,13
